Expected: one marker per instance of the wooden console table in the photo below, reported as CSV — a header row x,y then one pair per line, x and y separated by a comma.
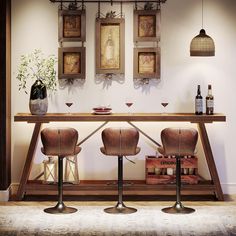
x,y
212,187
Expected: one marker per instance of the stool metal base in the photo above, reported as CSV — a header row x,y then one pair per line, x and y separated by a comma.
x,y
60,208
178,208
120,208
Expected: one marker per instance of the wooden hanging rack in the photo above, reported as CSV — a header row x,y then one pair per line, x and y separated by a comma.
x,y
108,1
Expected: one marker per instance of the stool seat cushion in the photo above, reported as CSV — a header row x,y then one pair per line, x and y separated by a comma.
x,y
120,141
60,141
77,150
161,150
178,141
103,150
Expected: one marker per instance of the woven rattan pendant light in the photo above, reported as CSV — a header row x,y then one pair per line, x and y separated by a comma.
x,y
202,45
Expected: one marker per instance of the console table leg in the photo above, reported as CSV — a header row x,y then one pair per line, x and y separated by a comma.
x,y
210,160
28,161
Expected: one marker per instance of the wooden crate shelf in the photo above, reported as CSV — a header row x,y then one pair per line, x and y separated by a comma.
x,y
157,170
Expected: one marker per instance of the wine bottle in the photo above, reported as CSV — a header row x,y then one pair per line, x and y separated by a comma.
x,y
158,170
164,170
169,171
185,170
109,49
209,102
191,170
198,102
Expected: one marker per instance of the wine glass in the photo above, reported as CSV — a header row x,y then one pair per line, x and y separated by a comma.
x,y
129,102
69,98
164,104
69,104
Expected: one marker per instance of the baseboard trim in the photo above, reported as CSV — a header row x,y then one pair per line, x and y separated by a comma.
x,y
229,188
4,195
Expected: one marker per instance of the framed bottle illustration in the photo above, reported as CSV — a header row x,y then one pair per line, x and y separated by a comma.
x,y
71,63
147,25
146,63
72,25
110,45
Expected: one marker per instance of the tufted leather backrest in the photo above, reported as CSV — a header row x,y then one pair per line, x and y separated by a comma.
x,y
120,141
179,141
59,141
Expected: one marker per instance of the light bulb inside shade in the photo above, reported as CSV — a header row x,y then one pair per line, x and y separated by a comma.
x,y
202,45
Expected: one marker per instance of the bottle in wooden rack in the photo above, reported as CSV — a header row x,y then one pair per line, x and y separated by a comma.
x,y
185,170
164,170
169,171
209,102
198,102
157,170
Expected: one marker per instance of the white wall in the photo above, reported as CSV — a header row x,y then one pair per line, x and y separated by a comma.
x,y
35,25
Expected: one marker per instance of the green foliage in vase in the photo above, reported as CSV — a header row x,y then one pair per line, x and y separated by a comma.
x,y
36,66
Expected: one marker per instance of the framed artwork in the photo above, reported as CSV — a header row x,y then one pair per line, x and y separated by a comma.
x,y
71,63
146,63
147,25
110,45
72,25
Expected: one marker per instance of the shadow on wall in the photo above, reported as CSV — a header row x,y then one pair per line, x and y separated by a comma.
x,y
107,79
146,84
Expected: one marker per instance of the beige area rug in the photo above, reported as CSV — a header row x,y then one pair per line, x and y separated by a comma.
x,y
91,220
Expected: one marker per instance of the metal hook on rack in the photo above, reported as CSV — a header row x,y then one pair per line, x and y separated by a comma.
x,y
105,1
136,5
111,3
99,9
121,9
158,5
82,4
145,81
73,5
108,76
61,6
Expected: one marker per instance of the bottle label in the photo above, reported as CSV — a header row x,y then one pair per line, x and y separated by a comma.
x,y
210,103
198,105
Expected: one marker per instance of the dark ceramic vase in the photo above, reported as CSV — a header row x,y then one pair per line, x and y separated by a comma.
x,y
38,103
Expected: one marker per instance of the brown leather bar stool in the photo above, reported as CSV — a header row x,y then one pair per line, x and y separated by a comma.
x,y
178,142
120,142
60,142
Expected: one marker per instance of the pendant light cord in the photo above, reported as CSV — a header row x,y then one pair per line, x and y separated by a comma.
x,y
202,14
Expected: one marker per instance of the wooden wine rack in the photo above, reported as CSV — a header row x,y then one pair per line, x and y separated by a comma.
x,y
156,165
